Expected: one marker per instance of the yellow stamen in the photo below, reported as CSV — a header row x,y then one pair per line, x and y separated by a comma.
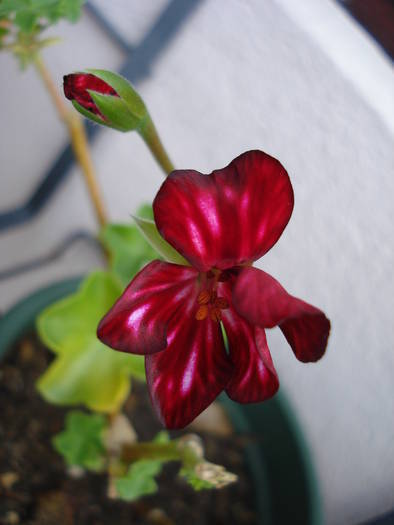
x,y
209,302
204,297
202,312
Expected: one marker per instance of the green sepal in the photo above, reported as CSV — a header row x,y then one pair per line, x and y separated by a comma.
x,y
151,233
115,111
89,114
125,91
81,441
85,371
139,480
128,249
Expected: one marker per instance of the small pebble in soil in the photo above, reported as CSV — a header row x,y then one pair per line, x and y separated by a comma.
x,y
158,517
7,479
11,518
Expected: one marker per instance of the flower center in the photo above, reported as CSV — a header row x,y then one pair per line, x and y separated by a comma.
x,y
209,303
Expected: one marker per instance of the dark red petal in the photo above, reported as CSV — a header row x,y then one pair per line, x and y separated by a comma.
x,y
232,216
185,378
138,321
261,300
76,86
254,377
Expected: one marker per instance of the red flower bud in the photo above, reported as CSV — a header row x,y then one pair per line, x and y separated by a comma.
x,y
106,98
76,88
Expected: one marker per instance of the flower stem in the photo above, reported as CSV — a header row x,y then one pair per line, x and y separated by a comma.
x,y
149,133
50,86
183,449
81,149
78,138
148,450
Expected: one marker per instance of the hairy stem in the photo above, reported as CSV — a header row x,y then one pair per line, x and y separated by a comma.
x,y
148,450
78,138
81,149
186,449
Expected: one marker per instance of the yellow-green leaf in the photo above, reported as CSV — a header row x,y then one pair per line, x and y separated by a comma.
x,y
85,371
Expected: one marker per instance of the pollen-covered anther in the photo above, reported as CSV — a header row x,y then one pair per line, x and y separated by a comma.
x,y
210,304
204,297
202,312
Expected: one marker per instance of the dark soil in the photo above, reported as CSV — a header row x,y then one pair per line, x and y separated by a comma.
x,y
36,489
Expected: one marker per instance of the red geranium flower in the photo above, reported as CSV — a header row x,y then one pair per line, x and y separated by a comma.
x,y
220,223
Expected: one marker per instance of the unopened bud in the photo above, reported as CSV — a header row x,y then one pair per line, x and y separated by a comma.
x,y
216,475
106,98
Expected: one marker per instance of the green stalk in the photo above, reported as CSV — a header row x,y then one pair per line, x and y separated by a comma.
x,y
151,138
174,450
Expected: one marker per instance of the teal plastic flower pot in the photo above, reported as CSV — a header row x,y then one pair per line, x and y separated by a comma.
x,y
284,481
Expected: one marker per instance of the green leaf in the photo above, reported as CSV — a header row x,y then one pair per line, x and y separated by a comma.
x,y
72,9
81,442
193,480
139,480
128,249
152,235
7,7
40,6
26,20
25,11
85,370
